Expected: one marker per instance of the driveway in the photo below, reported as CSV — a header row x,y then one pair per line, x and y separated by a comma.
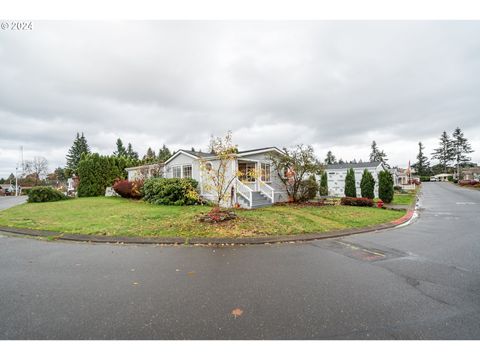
x,y
421,281
9,201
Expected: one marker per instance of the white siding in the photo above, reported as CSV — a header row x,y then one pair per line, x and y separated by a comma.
x,y
336,180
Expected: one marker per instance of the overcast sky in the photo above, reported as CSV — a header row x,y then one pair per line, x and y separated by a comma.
x,y
334,85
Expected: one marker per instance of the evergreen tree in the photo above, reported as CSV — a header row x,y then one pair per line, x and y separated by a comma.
x,y
377,154
422,164
330,159
149,157
164,154
445,153
367,185
340,161
11,178
121,151
79,147
193,149
324,184
350,186
130,153
385,186
461,148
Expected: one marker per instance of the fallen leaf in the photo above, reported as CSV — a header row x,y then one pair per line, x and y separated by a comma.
x,y
135,283
237,312
191,273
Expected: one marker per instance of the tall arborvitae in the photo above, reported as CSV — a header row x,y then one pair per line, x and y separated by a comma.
x,y
367,185
324,184
350,185
422,164
385,186
79,147
445,153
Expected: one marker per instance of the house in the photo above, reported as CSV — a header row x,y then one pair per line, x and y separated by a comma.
x,y
442,177
336,176
246,190
143,172
472,173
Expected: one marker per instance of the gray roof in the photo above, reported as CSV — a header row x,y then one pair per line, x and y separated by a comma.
x,y
207,154
361,165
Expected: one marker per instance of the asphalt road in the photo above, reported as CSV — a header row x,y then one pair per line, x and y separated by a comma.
x,y
421,281
9,201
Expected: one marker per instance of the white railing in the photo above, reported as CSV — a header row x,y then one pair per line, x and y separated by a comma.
x,y
266,189
245,191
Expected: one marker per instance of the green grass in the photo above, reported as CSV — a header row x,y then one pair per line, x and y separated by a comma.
x,y
122,217
403,199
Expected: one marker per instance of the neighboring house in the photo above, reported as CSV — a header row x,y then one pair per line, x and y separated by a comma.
x,y
442,177
336,176
472,173
144,172
246,191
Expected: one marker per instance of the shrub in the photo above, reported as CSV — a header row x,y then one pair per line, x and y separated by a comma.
x,y
450,178
307,189
350,186
40,194
324,184
385,186
397,188
367,185
162,191
424,178
354,201
129,189
468,182
97,172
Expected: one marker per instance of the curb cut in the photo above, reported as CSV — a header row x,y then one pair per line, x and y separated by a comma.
x,y
207,241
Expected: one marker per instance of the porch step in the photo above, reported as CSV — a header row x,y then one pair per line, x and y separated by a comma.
x,y
258,200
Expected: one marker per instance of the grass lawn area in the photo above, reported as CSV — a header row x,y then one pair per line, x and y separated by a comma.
x,y
403,199
122,217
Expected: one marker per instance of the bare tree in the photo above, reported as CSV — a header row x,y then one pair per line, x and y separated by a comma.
x,y
37,168
216,172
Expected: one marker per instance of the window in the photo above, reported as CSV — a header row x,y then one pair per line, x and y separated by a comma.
x,y
246,170
187,171
177,172
265,174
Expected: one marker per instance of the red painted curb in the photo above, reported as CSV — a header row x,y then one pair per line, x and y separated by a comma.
x,y
404,218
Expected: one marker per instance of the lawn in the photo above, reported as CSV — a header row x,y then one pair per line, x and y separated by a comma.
x,y
122,217
403,199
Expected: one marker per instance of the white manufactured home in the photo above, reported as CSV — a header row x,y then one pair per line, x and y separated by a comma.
x,y
245,190
336,174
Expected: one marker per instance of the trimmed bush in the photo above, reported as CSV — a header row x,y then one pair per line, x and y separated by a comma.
x,y
385,186
40,194
162,191
354,201
324,184
97,172
308,189
424,178
367,185
350,186
129,189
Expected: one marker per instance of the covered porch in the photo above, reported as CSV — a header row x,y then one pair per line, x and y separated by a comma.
x,y
252,186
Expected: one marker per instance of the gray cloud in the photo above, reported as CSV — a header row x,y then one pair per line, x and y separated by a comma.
x,y
335,85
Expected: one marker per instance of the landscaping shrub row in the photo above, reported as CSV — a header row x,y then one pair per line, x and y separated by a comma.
x,y
468,182
163,191
40,194
353,201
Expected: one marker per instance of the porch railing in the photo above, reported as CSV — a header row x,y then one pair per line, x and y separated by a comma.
x,y
245,191
266,189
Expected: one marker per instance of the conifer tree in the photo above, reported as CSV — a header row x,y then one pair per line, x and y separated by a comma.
x,y
79,147
164,154
121,151
377,154
350,186
422,164
324,184
385,186
461,147
445,153
330,159
367,185
133,155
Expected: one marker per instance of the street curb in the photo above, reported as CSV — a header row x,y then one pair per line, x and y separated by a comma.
x,y
207,241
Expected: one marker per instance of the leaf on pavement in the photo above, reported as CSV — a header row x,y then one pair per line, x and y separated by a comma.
x,y
191,273
237,312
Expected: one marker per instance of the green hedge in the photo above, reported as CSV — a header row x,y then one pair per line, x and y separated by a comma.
x,y
385,186
40,194
97,172
162,191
